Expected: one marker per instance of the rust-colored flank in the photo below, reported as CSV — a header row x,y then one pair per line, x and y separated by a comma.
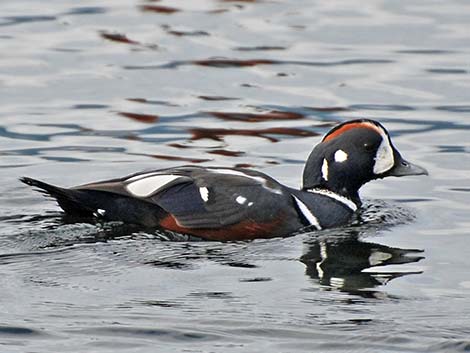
x,y
244,230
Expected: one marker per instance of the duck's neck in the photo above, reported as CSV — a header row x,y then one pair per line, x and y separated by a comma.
x,y
325,190
318,175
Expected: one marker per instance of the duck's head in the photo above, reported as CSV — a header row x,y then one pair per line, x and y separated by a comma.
x,y
350,155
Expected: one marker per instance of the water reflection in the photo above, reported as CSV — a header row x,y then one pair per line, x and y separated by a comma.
x,y
240,63
217,134
257,117
352,265
167,10
118,37
142,118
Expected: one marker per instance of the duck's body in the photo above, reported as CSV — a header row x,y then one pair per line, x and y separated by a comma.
x,y
213,203
234,203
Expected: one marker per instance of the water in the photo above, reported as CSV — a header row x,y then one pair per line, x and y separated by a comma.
x,y
92,90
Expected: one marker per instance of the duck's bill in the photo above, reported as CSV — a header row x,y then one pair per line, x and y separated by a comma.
x,y
403,168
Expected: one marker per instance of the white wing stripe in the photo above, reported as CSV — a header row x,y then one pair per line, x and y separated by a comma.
x,y
237,173
260,180
149,185
307,213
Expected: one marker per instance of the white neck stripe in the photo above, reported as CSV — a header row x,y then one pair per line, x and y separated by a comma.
x,y
307,213
344,200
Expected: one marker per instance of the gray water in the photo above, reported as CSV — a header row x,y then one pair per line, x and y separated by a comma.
x,y
94,89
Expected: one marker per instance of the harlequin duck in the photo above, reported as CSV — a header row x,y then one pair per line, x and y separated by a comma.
x,y
234,203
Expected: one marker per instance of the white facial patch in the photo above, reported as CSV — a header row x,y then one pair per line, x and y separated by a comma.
x,y
340,156
384,159
148,185
307,213
240,199
204,193
324,170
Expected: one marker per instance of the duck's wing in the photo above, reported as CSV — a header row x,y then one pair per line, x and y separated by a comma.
x,y
196,197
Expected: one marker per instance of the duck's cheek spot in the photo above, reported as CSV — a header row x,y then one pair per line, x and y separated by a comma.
x,y
324,170
341,156
384,159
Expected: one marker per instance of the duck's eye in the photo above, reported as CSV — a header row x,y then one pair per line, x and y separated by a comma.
x,y
368,147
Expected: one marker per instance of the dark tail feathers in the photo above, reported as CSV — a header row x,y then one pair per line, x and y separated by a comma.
x,y
68,200
44,187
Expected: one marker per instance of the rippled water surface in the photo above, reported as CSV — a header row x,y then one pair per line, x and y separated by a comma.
x,y
93,89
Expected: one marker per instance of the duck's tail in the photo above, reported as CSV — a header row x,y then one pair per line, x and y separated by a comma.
x,y
68,199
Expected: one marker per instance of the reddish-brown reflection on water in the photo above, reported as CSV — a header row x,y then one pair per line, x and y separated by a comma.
x,y
253,117
218,134
159,9
227,153
118,37
143,118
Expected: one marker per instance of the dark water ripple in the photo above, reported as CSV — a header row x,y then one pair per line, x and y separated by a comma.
x,y
90,106
15,20
227,63
90,10
384,107
454,108
151,333
260,48
447,71
18,331
426,51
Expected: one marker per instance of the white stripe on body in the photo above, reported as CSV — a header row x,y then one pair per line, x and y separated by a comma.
x,y
344,200
148,184
307,213
260,180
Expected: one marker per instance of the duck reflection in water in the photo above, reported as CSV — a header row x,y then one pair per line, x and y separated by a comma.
x,y
350,264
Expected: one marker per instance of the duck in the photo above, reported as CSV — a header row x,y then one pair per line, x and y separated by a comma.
x,y
231,204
